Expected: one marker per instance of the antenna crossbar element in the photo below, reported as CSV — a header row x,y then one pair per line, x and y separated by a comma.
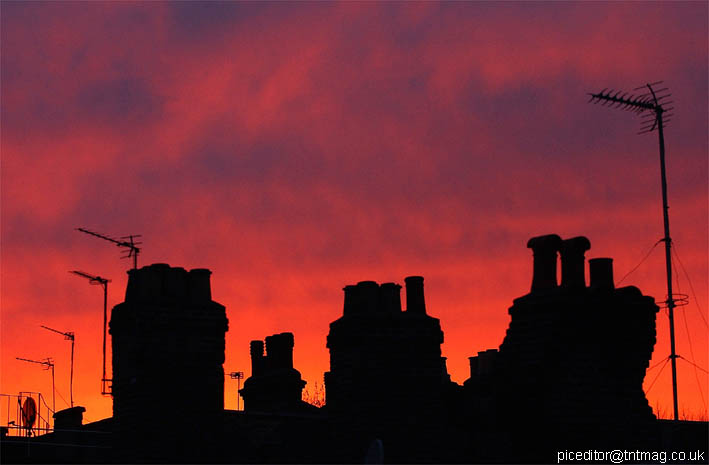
x,y
652,101
104,283
128,242
48,365
69,336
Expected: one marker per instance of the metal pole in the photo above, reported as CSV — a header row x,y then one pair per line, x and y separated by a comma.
x,y
238,388
105,302
54,400
71,376
668,263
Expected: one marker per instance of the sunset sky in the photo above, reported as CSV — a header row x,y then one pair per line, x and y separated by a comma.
x,y
295,148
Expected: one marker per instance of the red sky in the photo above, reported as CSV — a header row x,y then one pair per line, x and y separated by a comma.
x,y
294,148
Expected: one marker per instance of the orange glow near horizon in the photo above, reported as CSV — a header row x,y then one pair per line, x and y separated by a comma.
x,y
294,150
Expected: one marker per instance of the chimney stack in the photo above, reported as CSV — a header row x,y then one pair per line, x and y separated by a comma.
x,y
572,262
415,302
601,271
545,249
390,294
279,351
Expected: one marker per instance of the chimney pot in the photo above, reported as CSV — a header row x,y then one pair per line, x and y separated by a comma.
x,y
601,271
368,296
256,357
545,249
572,262
415,302
390,298
351,304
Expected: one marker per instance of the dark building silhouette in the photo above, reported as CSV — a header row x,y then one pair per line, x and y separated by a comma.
x,y
387,378
573,359
567,376
274,384
168,351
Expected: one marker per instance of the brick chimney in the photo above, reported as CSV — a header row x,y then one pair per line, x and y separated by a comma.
x,y
168,328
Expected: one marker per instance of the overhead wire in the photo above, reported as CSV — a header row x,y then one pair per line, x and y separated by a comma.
x,y
656,365
640,263
695,365
694,294
658,375
691,348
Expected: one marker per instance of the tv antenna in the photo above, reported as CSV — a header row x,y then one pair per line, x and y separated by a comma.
x,y
48,363
69,336
654,109
103,282
238,376
128,242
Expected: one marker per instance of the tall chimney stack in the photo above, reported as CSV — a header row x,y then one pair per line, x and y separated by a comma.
x,y
573,262
415,302
545,249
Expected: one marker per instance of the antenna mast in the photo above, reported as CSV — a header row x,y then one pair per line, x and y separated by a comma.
x,y
238,376
48,363
130,244
69,336
103,282
655,109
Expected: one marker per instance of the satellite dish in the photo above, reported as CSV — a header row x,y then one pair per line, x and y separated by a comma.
x,y
29,412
